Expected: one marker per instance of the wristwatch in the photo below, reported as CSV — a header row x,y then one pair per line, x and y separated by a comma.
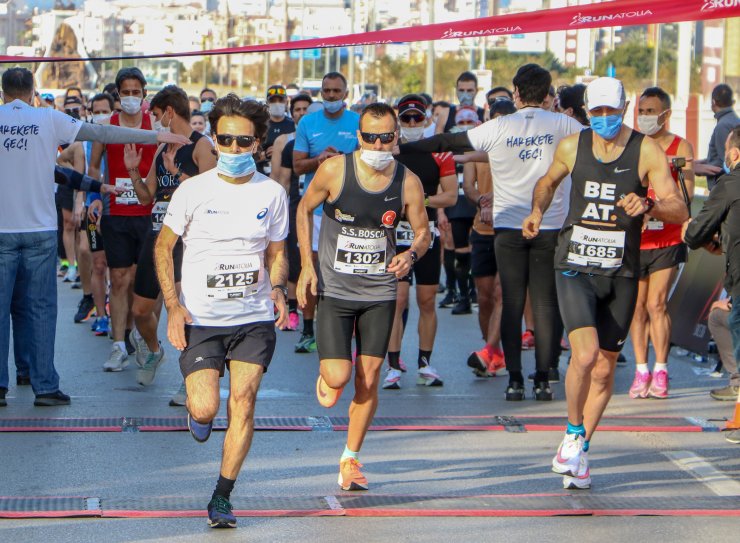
x,y
650,203
414,257
282,289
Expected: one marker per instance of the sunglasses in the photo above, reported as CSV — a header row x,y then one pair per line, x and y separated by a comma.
x,y
369,137
277,91
242,141
207,100
411,117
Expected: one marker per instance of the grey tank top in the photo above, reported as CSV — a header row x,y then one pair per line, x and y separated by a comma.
x,y
357,239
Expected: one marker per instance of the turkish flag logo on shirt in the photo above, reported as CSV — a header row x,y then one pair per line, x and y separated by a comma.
x,y
389,217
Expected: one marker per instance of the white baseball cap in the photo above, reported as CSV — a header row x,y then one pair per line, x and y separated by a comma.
x,y
605,92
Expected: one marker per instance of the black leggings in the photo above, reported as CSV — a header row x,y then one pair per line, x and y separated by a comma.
x,y
523,264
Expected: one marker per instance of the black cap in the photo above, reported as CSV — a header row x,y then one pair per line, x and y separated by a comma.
x,y
412,103
276,90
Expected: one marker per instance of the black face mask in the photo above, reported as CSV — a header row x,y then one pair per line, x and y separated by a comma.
x,y
74,113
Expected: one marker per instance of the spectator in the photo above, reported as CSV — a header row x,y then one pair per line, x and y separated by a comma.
x,y
727,119
719,326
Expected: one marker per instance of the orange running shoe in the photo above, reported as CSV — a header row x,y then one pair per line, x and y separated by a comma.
x,y
326,395
498,362
527,340
350,476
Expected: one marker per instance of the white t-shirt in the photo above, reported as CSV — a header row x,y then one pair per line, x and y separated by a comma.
x,y
520,150
29,139
226,229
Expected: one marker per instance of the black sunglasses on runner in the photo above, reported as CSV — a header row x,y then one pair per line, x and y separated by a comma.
x,y
242,141
407,118
369,137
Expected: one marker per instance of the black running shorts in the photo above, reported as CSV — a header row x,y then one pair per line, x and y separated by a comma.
x,y
124,238
291,247
461,232
652,260
65,197
427,269
146,283
213,347
597,301
483,257
338,320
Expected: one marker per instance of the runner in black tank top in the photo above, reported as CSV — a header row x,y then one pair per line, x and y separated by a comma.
x,y
363,195
171,108
598,254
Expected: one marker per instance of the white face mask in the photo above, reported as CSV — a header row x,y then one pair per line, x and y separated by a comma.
x,y
131,105
101,118
160,127
412,133
277,109
649,124
377,160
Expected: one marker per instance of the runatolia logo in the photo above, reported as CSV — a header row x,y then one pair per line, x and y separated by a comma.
x,y
719,4
580,19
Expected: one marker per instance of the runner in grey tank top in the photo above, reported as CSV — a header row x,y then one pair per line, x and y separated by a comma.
x,y
363,194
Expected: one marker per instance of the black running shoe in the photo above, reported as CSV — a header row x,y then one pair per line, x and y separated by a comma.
x,y
85,309
449,300
621,360
22,380
462,307
553,375
52,399
542,392
219,513
515,392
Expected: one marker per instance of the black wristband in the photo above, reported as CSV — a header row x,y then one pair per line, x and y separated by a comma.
x,y
650,203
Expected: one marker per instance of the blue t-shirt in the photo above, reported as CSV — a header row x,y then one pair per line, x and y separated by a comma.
x,y
316,132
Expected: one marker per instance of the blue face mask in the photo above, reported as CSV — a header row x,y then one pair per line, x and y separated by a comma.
x,y
726,168
333,107
206,106
608,126
232,165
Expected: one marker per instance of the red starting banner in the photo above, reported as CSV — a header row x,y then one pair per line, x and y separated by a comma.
x,y
606,14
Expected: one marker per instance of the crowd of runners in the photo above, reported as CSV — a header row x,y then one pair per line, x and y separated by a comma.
x,y
547,212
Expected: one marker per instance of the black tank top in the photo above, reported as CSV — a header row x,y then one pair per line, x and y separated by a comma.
x,y
598,237
357,239
426,168
166,182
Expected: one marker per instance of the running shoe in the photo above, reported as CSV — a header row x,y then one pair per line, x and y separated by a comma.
x,y
543,392
726,394
219,513
582,480
136,341
117,360
292,325
77,285
25,380
63,269
326,395
52,399
85,309
528,340
71,275
567,461
101,326
449,300
621,360
733,437
485,365
640,385
3,401
307,344
350,476
564,345
392,379
429,377
515,392
180,397
659,386
148,370
199,430
553,375
402,365
462,307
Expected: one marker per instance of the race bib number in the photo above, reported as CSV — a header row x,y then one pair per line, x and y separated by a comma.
x,y
159,211
360,256
128,197
652,224
233,277
597,248
405,234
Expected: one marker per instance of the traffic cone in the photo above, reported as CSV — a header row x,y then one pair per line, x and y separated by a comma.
x,y
734,424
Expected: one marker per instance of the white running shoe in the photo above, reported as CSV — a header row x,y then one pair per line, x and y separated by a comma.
x,y
142,351
117,360
582,480
147,371
567,461
71,275
429,377
392,379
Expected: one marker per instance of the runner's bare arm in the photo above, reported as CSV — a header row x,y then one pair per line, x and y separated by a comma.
x,y
446,195
177,315
544,190
96,158
145,188
203,156
282,176
413,195
444,114
277,152
469,186
78,159
669,204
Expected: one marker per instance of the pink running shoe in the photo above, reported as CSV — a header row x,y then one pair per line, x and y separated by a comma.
x,y
640,385
292,322
528,340
659,387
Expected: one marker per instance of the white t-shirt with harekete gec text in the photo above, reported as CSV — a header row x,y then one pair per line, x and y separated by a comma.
x,y
226,229
29,139
520,150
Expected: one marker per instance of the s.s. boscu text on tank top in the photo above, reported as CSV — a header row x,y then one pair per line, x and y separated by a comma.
x,y
357,239
598,237
657,234
127,204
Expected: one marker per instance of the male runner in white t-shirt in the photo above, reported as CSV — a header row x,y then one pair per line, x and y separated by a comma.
x,y
233,222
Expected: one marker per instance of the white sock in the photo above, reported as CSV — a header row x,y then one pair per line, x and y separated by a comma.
x,y
121,345
642,368
660,366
